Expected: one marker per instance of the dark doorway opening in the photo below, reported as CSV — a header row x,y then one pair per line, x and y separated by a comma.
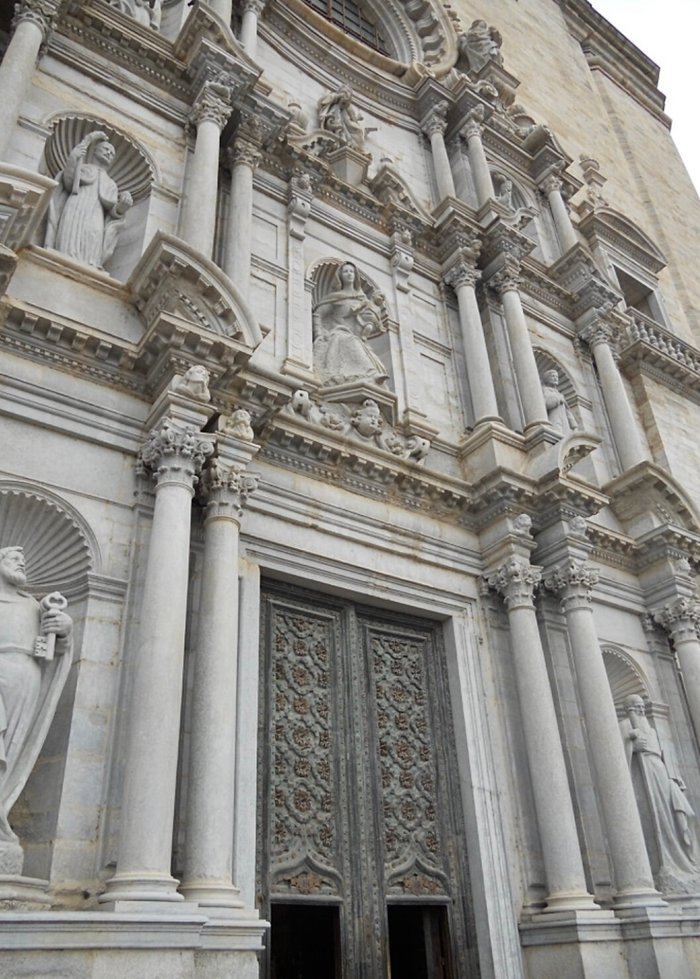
x,y
418,942
304,942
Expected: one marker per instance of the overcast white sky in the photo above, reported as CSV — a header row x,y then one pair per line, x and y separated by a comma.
x,y
669,32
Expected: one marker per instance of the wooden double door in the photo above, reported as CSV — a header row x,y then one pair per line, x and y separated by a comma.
x,y
361,858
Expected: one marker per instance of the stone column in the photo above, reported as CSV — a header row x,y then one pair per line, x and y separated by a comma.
x,y
634,881
478,163
463,276
516,580
599,337
506,281
681,619
551,187
244,156
434,126
33,22
210,112
208,870
175,456
249,25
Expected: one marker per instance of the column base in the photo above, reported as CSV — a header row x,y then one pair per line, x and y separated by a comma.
x,y
23,893
213,894
635,898
569,901
140,888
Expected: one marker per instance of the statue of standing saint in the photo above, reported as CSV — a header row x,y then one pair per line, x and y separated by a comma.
x,y
87,211
558,412
35,656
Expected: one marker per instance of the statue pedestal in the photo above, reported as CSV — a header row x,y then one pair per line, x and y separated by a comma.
x,y
19,893
349,164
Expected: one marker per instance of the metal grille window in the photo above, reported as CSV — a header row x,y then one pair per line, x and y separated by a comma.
x,y
348,15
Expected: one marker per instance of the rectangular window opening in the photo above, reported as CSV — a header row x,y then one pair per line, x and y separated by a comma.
x,y
305,942
419,945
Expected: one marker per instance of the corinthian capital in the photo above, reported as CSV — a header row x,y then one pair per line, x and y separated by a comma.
x,y
43,13
175,455
516,581
436,120
253,7
462,273
475,122
508,277
225,489
680,618
551,183
213,104
574,581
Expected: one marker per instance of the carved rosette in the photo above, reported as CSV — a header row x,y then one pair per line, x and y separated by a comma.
x,y
225,490
303,772
175,455
516,581
435,122
574,581
406,754
43,13
681,619
213,104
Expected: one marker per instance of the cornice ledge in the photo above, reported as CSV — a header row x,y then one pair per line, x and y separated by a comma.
x,y
650,348
647,496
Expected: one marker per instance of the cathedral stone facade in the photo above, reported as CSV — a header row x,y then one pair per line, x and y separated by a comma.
x,y
349,495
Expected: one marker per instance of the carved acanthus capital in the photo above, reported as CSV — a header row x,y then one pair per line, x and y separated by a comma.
x,y
516,581
213,104
475,122
253,7
508,277
551,183
680,618
462,273
600,331
245,148
225,489
436,120
43,13
175,455
574,581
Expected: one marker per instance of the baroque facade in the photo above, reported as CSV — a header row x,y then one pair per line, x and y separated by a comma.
x,y
349,505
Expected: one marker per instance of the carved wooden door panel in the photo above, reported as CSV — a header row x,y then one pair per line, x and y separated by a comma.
x,y
361,856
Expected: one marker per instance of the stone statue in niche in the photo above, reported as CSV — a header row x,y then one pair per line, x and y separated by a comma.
x,y
338,116
35,656
87,211
480,45
558,412
666,813
342,322
146,12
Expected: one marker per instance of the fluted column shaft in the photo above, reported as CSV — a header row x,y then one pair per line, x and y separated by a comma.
x,y
434,126
33,22
463,276
552,186
634,880
681,618
529,385
198,221
208,869
150,764
622,421
481,174
566,882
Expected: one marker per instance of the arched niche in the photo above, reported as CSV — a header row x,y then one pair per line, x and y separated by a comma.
x,y
624,676
322,276
60,550
133,171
